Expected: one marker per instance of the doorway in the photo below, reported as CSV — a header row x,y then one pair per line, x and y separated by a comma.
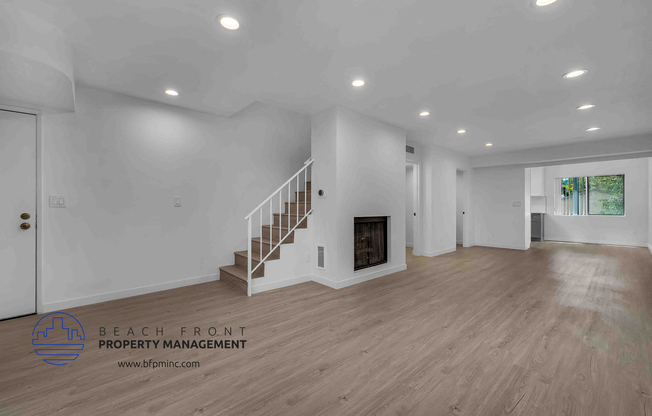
x,y
18,187
411,208
460,209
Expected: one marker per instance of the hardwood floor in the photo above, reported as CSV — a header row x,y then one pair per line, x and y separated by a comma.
x,y
558,329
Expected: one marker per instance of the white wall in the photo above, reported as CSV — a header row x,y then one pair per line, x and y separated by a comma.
x,y
324,209
527,208
438,202
632,229
409,212
498,223
294,265
361,161
459,220
119,161
649,199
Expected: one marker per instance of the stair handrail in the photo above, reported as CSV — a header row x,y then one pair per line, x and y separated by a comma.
x,y
305,166
250,270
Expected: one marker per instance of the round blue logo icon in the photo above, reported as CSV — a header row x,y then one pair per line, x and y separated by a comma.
x,y
58,337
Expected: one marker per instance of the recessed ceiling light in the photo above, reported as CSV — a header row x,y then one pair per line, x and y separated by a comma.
x,y
228,22
545,2
172,92
576,73
462,131
424,113
358,83
586,106
593,128
488,145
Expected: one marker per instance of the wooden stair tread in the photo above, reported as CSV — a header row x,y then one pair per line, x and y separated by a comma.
x,y
255,256
236,271
283,227
308,205
266,241
236,275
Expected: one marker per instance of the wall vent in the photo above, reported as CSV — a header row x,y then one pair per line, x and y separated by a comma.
x,y
321,263
409,149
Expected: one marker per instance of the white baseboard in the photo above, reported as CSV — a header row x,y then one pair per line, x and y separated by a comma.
x,y
260,285
438,252
523,248
602,242
409,245
363,277
324,281
359,278
649,247
103,297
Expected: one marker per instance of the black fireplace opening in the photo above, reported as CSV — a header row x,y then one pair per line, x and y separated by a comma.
x,y
370,244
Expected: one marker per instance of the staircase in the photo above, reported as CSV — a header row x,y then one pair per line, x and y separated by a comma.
x,y
266,246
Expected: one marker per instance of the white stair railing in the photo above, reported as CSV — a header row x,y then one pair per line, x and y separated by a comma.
x,y
270,199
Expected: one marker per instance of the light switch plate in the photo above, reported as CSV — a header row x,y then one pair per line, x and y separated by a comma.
x,y
57,201
177,201
516,203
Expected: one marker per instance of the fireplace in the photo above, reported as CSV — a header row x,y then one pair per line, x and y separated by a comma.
x,y
370,244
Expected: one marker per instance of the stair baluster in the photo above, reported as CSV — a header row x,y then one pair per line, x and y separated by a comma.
x,y
251,269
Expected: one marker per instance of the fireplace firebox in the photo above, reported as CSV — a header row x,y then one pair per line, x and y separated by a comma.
x,y
370,244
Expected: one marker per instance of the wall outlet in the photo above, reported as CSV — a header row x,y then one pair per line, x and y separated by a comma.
x,y
516,203
177,201
57,201
307,257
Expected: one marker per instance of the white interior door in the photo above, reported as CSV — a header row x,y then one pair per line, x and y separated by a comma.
x,y
17,197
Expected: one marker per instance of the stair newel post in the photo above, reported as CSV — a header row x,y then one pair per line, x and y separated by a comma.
x,y
305,190
289,206
271,226
249,256
261,233
298,198
280,212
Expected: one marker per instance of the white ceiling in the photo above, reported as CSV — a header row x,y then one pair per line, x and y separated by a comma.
x,y
492,67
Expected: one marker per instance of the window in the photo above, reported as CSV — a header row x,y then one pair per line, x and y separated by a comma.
x,y
591,195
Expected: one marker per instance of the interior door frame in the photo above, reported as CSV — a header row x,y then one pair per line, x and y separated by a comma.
x,y
416,184
38,301
465,205
467,234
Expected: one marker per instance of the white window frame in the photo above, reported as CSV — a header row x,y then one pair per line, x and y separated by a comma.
x,y
557,199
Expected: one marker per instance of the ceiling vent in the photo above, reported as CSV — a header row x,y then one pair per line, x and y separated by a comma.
x,y
409,149
321,263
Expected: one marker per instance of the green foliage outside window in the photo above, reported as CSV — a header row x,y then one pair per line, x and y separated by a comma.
x,y
607,195
593,195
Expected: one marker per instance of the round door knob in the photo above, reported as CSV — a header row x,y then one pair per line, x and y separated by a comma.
x,y
25,216
25,226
